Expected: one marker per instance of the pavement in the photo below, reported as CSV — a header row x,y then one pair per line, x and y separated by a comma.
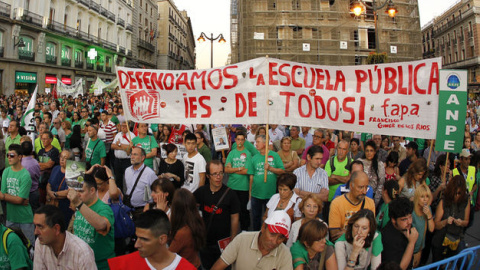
x,y
472,235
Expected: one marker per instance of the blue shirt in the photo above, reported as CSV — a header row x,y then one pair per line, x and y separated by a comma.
x,y
342,189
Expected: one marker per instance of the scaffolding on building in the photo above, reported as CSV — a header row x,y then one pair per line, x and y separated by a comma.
x,y
322,32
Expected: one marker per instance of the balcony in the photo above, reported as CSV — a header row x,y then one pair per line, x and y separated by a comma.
x,y
100,67
108,45
121,22
95,6
26,55
90,66
103,11
51,59
144,44
108,69
62,28
66,62
122,50
31,18
5,9
111,16
130,53
79,64
129,27
1,51
85,2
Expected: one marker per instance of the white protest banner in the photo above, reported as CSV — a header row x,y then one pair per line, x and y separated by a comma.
x,y
70,90
220,139
28,120
392,99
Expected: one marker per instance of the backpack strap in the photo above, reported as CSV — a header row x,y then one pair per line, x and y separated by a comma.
x,y
5,235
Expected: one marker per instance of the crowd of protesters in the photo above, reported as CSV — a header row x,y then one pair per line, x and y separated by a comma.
x,y
281,197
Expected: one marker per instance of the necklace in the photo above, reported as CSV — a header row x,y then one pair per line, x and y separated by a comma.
x,y
281,203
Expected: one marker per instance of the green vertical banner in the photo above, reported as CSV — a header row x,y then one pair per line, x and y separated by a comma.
x,y
452,110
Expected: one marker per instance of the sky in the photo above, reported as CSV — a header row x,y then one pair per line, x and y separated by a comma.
x,y
213,16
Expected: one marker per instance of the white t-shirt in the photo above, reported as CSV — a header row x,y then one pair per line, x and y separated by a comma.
x,y
120,137
193,167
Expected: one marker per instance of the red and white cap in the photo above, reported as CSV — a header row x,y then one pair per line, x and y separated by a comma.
x,y
279,222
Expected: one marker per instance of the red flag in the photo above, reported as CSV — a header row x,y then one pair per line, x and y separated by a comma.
x,y
54,91
135,129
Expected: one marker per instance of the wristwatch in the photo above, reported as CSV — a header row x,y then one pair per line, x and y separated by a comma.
x,y
79,206
55,194
111,177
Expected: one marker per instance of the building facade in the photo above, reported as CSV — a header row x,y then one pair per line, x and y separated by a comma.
x,y
176,43
49,40
145,17
323,31
455,37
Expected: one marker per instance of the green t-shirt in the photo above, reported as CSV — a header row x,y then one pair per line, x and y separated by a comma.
x,y
340,170
420,143
298,143
114,120
261,189
382,217
238,159
147,143
377,246
300,253
154,127
17,184
39,146
94,154
249,146
17,253
366,136
9,141
103,246
205,152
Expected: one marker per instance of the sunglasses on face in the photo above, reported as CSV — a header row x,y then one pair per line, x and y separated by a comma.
x,y
11,155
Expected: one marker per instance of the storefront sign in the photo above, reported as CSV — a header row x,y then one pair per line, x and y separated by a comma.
x,y
25,77
50,79
66,80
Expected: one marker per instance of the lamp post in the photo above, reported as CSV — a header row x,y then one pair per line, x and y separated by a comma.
x,y
358,8
203,37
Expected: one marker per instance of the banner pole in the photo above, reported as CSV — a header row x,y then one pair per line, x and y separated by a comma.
x,y
267,140
430,152
445,170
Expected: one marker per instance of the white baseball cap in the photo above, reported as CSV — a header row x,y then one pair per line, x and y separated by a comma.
x,y
279,222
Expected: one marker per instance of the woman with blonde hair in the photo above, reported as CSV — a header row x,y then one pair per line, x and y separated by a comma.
x,y
310,207
289,157
415,176
422,219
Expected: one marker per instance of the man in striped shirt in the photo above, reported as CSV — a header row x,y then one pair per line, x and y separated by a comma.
x,y
311,178
110,131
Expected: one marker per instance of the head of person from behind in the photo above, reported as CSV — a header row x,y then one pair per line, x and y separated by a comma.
x,y
361,228
49,225
152,228
274,232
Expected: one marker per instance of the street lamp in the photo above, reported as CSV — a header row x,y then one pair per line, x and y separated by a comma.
x,y
358,7
20,43
203,37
